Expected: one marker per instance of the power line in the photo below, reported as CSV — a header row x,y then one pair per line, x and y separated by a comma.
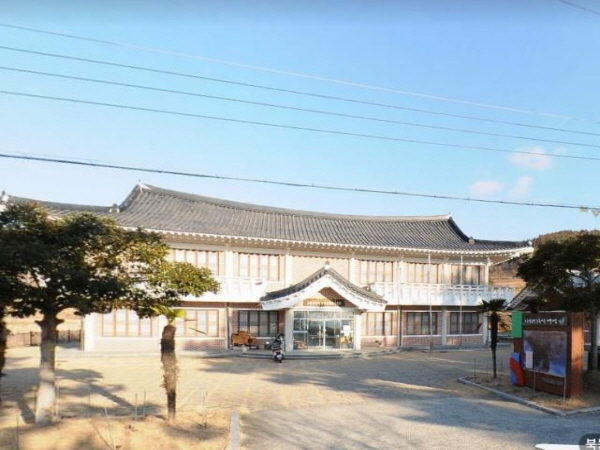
x,y
295,92
291,73
292,108
583,8
294,127
288,183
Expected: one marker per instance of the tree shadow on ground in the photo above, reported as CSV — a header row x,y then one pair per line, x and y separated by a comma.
x,y
407,388
78,384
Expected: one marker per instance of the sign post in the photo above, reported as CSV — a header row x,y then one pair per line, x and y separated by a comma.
x,y
549,346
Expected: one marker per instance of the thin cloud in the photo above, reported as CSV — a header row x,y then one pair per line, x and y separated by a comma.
x,y
536,159
484,189
522,187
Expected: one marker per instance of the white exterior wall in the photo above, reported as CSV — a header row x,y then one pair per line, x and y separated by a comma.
x,y
297,265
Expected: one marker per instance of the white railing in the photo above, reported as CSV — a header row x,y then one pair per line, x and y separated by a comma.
x,y
423,294
249,289
242,289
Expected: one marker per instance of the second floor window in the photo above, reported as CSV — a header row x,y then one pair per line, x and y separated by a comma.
x,y
198,258
268,267
424,273
471,275
374,271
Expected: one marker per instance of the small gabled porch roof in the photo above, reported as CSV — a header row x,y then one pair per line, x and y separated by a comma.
x,y
324,278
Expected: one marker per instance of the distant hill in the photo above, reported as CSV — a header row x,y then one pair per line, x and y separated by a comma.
x,y
505,274
560,236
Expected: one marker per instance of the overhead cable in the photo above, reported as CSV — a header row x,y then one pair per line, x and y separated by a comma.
x,y
294,92
292,73
287,183
294,127
583,8
292,108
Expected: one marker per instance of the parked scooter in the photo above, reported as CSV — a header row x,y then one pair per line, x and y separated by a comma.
x,y
277,348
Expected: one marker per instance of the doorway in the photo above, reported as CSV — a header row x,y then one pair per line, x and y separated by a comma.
x,y
323,330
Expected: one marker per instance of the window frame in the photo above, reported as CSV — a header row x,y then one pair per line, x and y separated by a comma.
x,y
371,271
472,324
134,326
259,265
412,326
249,318
376,321
201,318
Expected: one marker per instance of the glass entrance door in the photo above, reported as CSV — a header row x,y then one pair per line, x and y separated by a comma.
x,y
323,329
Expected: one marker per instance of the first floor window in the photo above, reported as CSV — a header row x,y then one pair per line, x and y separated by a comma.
x,y
198,323
378,324
421,323
258,323
125,323
470,323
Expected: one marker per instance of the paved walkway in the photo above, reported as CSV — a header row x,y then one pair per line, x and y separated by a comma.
x,y
407,400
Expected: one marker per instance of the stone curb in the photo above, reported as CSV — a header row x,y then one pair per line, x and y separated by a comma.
x,y
529,403
317,356
234,431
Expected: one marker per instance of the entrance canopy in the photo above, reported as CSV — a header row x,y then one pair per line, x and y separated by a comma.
x,y
322,279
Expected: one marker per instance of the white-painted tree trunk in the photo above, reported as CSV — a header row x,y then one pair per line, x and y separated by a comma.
x,y
46,395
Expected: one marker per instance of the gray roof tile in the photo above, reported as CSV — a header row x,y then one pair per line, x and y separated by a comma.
x,y
171,211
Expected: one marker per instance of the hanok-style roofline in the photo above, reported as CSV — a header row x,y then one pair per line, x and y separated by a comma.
x,y
193,216
325,277
275,210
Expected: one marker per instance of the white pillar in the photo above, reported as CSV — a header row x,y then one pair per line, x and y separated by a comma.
x,y
484,328
444,326
352,269
89,332
357,330
288,268
229,327
228,273
288,327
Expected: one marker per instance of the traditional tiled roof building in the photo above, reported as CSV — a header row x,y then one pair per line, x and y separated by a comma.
x,y
325,280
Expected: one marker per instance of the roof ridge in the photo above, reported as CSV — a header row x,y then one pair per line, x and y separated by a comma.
x,y
59,205
287,211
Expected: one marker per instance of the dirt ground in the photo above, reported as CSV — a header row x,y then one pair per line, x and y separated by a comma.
x,y
589,398
100,433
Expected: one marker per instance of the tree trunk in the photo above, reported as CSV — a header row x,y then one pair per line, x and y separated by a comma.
x,y
169,362
494,339
3,343
46,395
593,361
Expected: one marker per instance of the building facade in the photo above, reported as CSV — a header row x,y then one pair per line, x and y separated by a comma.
x,y
327,281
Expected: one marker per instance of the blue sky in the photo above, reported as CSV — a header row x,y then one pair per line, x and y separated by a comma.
x,y
534,55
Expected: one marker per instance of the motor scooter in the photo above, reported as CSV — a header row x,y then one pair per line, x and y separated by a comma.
x,y
277,348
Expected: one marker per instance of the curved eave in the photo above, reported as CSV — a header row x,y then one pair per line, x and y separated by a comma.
x,y
324,278
512,252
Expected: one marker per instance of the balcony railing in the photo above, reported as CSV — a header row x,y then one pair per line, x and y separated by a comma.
x,y
423,294
249,289
242,289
